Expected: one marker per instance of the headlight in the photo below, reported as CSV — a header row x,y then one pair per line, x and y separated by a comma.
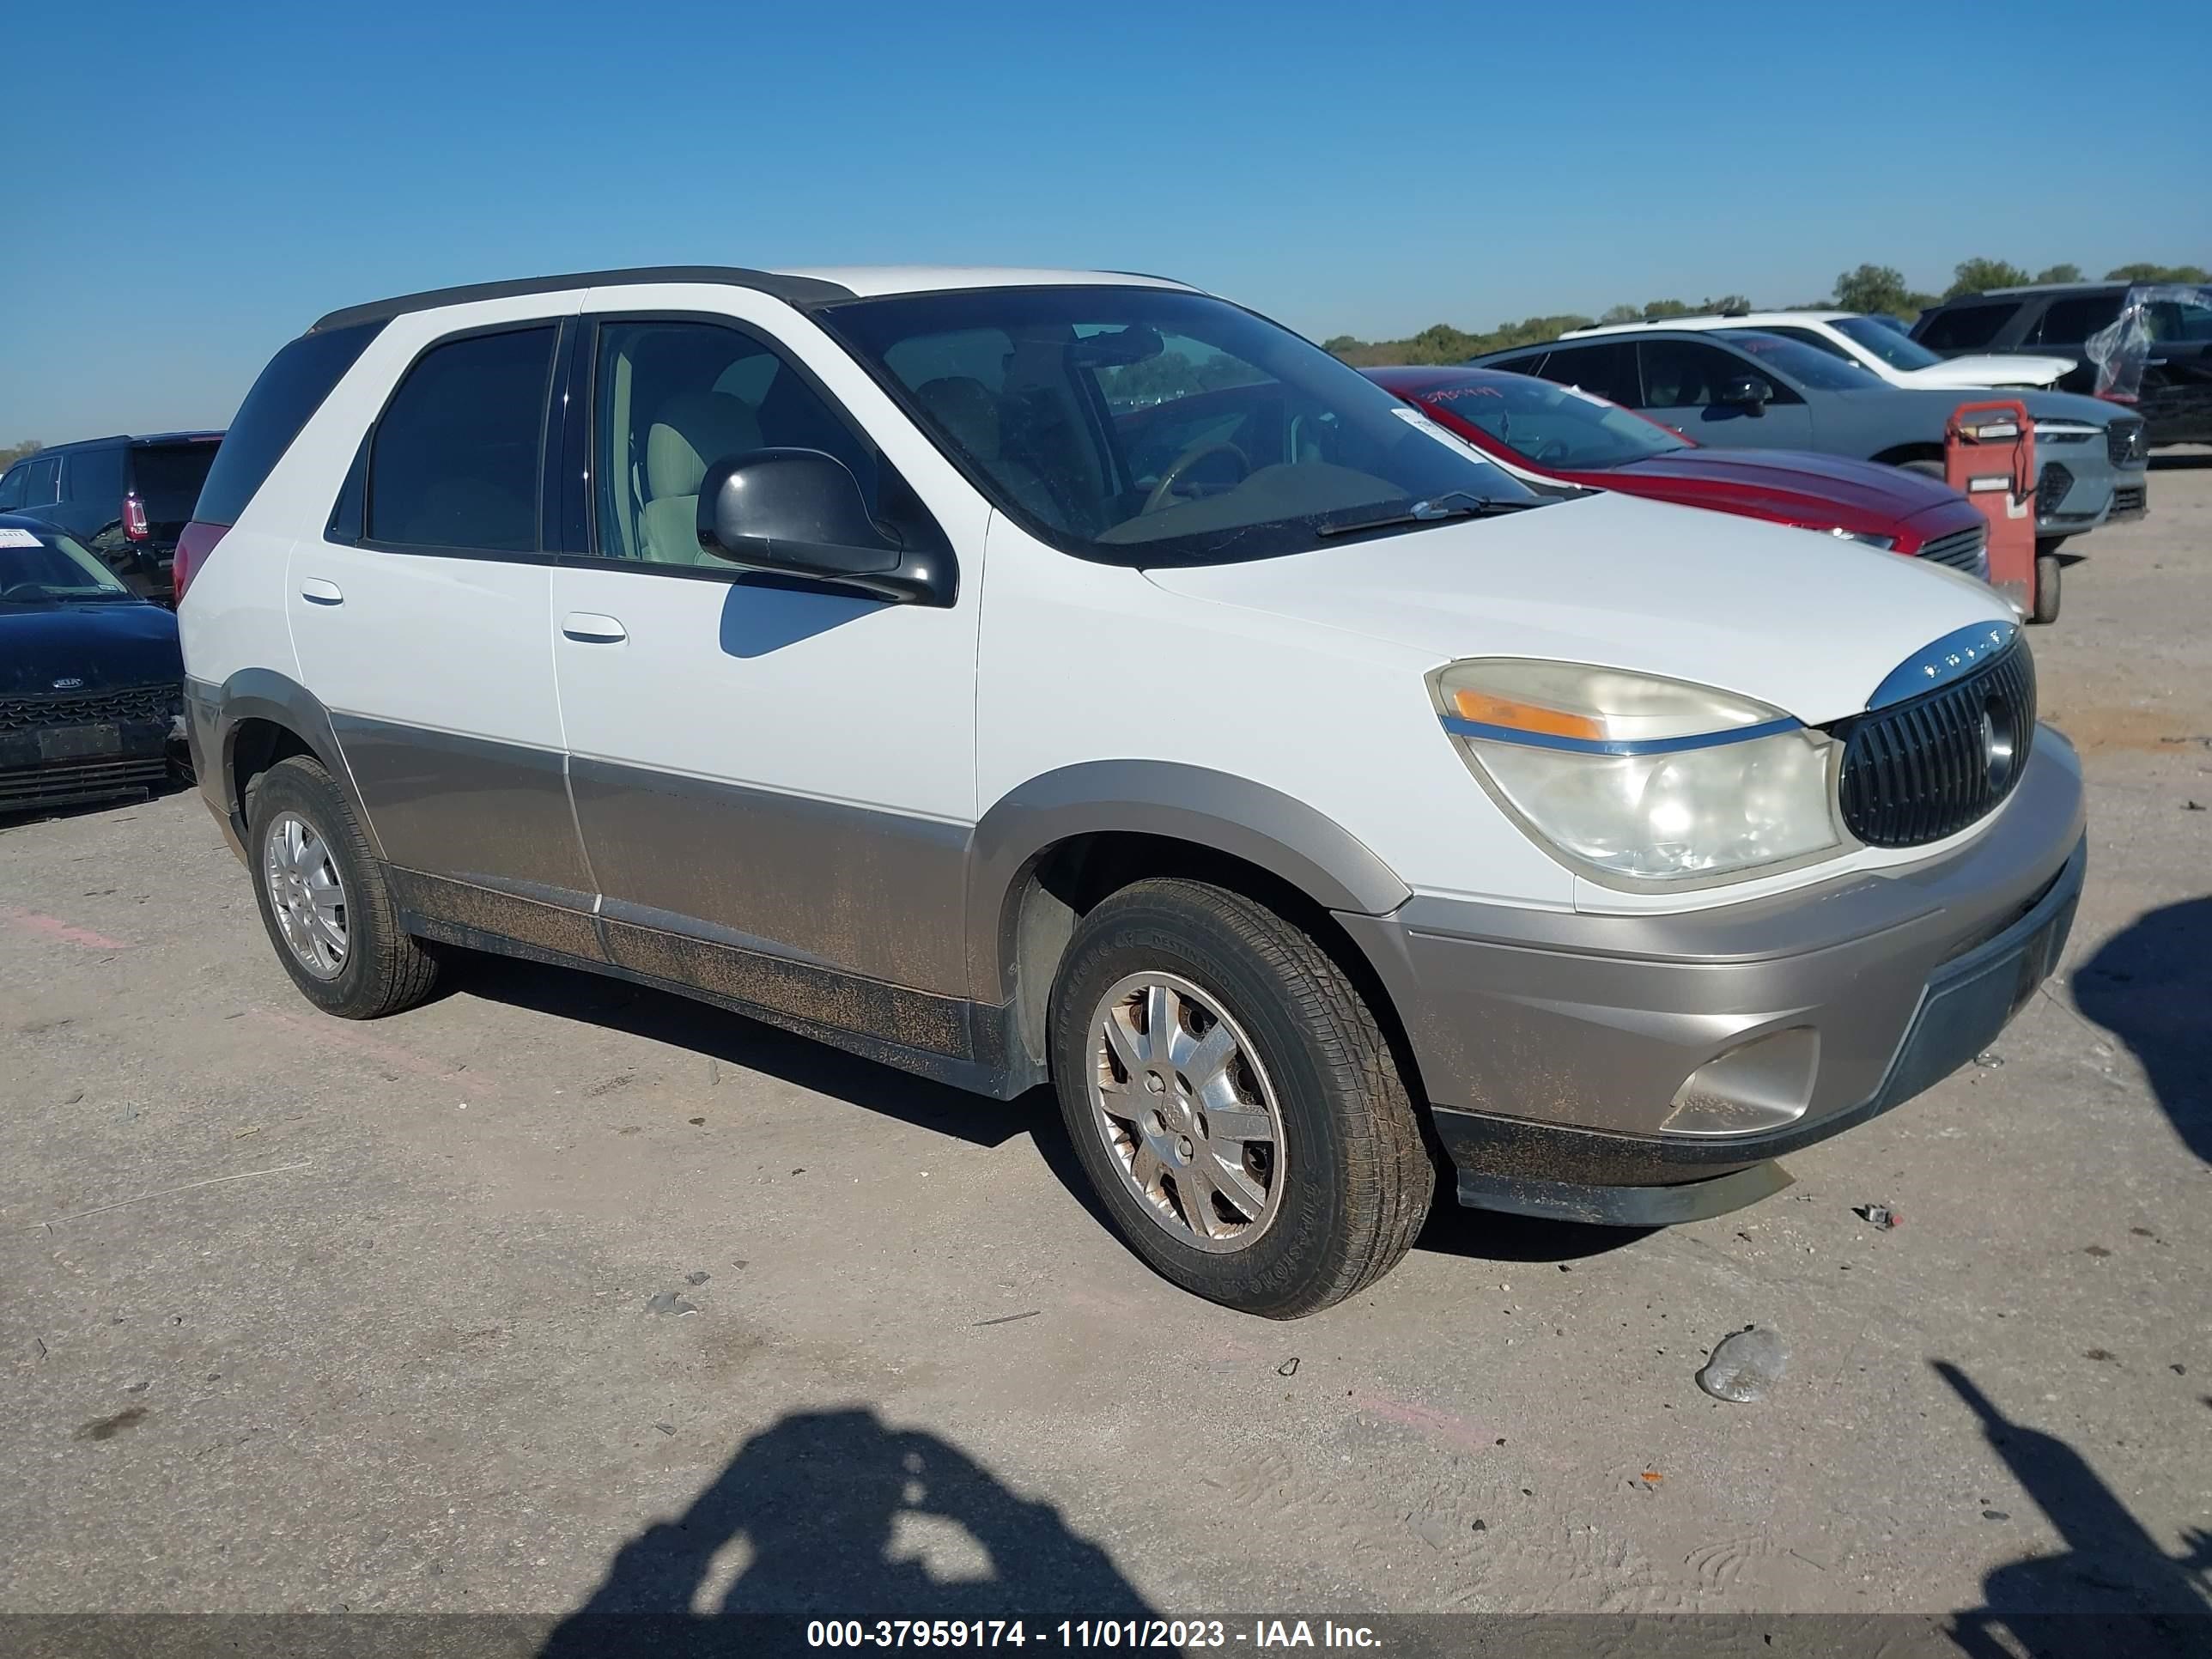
x,y
1639,778
1886,543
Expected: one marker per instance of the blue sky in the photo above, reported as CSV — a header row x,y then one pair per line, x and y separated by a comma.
x,y
193,184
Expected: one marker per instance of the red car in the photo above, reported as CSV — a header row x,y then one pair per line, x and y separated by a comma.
x,y
1565,434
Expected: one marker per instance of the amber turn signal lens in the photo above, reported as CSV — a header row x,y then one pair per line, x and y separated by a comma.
x,y
1519,716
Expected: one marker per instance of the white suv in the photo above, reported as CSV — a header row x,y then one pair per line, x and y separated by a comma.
x,y
1876,346
1023,676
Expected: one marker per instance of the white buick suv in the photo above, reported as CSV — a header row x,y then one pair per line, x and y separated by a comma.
x,y
937,662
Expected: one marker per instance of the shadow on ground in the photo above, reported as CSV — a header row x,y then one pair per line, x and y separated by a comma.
x,y
2111,1565
2151,987
837,1514
701,1029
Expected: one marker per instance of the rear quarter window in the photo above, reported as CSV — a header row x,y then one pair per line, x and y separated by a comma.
x,y
95,478
290,390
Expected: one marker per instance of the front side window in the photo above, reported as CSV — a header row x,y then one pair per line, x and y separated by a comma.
x,y
1151,427
672,397
1801,363
1893,346
1690,374
43,567
11,487
1551,425
1965,328
453,462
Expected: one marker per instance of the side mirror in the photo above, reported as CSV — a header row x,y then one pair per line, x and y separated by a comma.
x,y
799,512
1747,391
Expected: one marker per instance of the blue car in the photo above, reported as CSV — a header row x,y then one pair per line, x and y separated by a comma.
x,y
1745,389
91,679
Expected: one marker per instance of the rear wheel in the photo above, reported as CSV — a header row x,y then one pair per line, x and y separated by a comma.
x,y
324,899
2045,608
1234,1102
1934,469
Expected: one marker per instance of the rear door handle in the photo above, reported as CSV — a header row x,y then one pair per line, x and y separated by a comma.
x,y
589,627
315,591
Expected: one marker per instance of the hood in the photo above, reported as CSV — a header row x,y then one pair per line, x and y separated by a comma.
x,y
1988,370
114,643
1796,619
1823,490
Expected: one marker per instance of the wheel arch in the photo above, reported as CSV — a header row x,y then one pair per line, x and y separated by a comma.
x,y
1899,454
1053,847
266,717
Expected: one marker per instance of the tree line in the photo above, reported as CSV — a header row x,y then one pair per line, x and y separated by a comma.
x,y
1869,287
15,452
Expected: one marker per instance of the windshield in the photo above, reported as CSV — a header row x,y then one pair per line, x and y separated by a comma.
x,y
1552,425
1898,351
44,567
1804,364
1151,427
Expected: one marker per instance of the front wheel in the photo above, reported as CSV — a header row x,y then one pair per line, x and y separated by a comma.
x,y
1234,1102
2045,608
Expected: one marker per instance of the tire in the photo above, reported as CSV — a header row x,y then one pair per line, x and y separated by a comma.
x,y
2046,588
1303,1219
1933,469
376,967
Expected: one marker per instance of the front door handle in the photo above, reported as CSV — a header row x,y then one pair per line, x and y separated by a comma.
x,y
315,591
589,627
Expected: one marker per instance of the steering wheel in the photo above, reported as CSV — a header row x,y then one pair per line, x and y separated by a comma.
x,y
1550,451
1163,491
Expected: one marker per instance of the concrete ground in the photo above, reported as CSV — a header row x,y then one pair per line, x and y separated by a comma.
x,y
299,1314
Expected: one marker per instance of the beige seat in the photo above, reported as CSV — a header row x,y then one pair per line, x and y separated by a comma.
x,y
689,432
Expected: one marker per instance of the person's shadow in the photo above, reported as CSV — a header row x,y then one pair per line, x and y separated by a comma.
x,y
2148,1602
2151,987
830,1515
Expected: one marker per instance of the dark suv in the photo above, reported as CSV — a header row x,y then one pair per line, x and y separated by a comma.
x,y
2056,320
127,499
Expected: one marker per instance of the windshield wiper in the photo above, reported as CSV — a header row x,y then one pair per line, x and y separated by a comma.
x,y
1458,505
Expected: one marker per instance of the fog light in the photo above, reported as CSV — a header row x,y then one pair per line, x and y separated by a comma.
x,y
1760,1085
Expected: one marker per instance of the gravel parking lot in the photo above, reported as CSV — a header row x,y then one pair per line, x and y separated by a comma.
x,y
556,1290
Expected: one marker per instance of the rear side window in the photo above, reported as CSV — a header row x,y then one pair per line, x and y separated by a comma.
x,y
2070,322
290,390
94,476
1609,370
1966,328
453,461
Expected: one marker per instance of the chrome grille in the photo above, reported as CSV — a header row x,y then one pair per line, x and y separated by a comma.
x,y
1927,767
2050,488
2124,441
1963,550
138,703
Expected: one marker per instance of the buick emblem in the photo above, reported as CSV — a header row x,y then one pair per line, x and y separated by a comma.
x,y
69,684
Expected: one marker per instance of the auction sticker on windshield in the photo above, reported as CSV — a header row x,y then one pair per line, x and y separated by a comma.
x,y
11,536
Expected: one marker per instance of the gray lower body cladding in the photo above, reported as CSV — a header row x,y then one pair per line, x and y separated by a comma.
x,y
1564,1054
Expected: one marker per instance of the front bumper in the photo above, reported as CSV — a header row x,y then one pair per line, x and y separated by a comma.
x,y
1559,1051
76,763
